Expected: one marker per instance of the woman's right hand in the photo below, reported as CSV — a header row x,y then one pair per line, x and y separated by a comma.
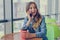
x,y
28,14
30,18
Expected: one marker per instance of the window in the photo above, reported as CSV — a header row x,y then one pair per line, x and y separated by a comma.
x,y
1,18
1,29
43,7
1,10
46,7
19,12
18,25
19,8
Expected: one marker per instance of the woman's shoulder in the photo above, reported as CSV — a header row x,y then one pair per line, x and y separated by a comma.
x,y
26,18
43,17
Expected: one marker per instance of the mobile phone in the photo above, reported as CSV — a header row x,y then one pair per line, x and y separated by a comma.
x,y
30,14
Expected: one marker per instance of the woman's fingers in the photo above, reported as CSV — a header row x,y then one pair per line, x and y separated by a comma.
x,y
27,35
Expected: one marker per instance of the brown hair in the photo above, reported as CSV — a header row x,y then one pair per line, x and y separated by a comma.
x,y
36,24
28,5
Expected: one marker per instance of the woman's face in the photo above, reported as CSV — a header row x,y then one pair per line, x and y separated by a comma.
x,y
32,9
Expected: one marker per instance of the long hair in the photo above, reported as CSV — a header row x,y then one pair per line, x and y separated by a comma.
x,y
37,23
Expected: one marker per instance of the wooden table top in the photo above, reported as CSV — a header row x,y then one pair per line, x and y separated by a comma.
x,y
15,36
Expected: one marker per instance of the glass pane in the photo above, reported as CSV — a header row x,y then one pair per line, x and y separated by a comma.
x,y
17,25
19,8
53,16
1,9
43,7
1,29
59,19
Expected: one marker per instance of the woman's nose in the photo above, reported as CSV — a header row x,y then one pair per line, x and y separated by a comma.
x,y
33,10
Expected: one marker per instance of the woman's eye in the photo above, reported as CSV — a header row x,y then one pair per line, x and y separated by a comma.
x,y
31,8
34,8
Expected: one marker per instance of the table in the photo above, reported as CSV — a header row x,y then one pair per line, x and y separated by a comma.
x,y
15,36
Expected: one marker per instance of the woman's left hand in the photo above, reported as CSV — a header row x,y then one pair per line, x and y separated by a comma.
x,y
30,35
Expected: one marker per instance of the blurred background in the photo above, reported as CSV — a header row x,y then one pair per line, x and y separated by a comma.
x,y
12,14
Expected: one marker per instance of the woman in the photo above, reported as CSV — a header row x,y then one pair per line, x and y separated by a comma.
x,y
34,22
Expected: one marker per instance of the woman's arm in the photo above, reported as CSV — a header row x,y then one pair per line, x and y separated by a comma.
x,y
28,23
24,24
43,29
39,34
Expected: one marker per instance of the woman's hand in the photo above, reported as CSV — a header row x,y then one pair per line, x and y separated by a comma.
x,y
30,35
29,17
